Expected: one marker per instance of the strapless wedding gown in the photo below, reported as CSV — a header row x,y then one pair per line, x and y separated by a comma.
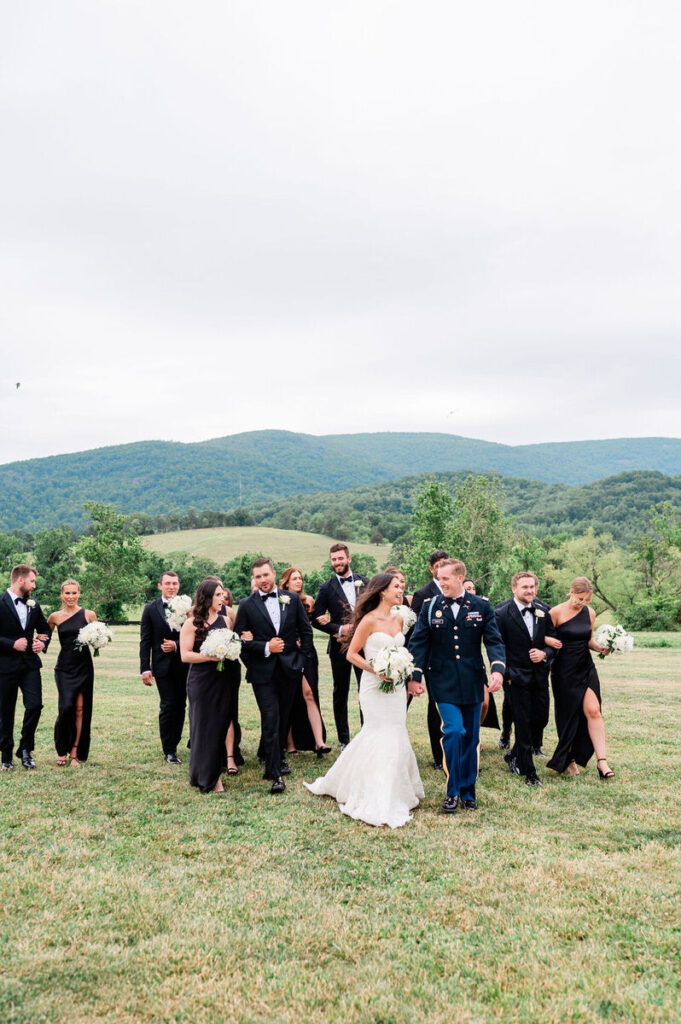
x,y
376,779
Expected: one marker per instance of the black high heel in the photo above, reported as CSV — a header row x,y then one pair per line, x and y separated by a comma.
x,y
321,750
605,776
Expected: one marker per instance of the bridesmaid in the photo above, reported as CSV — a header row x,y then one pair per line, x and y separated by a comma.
x,y
233,741
74,676
576,687
211,693
307,730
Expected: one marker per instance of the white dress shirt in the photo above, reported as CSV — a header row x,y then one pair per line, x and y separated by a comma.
x,y
273,609
22,609
527,619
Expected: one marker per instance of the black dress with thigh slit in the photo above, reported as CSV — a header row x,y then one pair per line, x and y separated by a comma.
x,y
211,695
572,674
74,674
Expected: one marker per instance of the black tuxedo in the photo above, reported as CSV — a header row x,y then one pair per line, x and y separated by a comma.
x,y
426,593
19,670
526,682
275,677
170,673
331,599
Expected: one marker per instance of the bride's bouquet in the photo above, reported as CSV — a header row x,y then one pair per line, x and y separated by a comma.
x,y
615,638
95,635
394,662
177,611
223,644
406,614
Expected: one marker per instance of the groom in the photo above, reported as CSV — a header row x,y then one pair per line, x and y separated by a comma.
x,y
274,660
447,643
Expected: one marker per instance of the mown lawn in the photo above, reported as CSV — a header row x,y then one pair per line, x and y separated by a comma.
x,y
128,897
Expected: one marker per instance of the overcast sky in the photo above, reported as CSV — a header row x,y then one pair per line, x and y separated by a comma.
x,y
226,216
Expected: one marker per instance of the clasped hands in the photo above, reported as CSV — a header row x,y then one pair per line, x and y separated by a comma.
x,y
37,645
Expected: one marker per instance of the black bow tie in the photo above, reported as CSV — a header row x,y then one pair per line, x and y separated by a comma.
x,y
345,579
264,597
20,600
455,600
529,608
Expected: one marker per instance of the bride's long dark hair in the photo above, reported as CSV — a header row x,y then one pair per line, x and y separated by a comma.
x,y
202,605
368,601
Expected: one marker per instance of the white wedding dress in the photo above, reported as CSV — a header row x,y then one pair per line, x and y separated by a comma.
x,y
375,778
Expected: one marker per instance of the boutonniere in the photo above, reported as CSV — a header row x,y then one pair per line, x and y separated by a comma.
x,y
358,584
284,599
30,603
538,613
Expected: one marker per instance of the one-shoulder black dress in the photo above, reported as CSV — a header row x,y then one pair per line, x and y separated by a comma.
x,y
211,696
74,674
572,674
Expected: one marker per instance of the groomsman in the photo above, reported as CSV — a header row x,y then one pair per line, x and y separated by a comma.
x,y
447,643
274,660
431,590
336,600
160,662
524,623
22,627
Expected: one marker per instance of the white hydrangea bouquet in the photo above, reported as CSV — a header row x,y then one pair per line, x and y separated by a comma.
x,y
95,635
177,611
615,638
406,614
394,662
223,644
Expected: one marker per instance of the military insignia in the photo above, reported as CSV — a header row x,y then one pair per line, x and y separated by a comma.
x,y
438,614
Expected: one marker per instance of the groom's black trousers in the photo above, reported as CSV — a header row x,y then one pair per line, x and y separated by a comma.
x,y
341,670
28,681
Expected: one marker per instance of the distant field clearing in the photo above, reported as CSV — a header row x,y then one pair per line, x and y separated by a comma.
x,y
307,551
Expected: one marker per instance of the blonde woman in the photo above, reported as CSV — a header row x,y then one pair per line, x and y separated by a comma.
x,y
74,675
576,687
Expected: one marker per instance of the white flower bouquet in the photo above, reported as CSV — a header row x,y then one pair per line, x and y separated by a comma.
x,y
223,644
406,614
615,638
394,662
177,611
95,635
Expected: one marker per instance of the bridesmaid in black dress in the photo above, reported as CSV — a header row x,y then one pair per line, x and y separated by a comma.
x,y
74,676
210,693
576,688
233,742
307,730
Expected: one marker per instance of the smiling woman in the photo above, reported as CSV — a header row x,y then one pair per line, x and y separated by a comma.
x,y
74,676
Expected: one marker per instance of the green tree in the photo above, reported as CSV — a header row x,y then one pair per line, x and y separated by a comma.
x,y
56,559
481,535
430,528
113,561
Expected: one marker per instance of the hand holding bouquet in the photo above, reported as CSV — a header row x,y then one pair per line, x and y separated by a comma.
x,y
395,664
95,635
223,644
614,638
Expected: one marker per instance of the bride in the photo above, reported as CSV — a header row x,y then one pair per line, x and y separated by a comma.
x,y
375,779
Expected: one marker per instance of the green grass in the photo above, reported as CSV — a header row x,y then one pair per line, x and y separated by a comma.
x,y
307,551
128,897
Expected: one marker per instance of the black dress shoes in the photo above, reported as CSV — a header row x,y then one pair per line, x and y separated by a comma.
x,y
469,805
26,759
437,767
285,767
173,759
533,780
538,752
450,804
513,766
7,766
278,785
504,742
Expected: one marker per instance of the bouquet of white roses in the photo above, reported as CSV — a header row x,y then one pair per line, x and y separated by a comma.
x,y
95,635
615,638
406,614
177,611
394,662
223,644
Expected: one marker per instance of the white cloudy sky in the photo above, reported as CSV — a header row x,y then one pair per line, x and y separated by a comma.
x,y
223,216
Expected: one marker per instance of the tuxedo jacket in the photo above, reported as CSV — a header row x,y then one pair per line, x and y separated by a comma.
x,y
331,598
154,629
449,650
11,629
518,643
294,626
430,590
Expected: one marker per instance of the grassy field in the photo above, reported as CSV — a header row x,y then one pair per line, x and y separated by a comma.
x,y
307,551
128,897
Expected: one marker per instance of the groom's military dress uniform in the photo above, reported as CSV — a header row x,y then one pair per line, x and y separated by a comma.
x,y
447,645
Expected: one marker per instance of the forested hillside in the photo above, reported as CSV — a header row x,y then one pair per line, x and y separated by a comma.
x,y
259,467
